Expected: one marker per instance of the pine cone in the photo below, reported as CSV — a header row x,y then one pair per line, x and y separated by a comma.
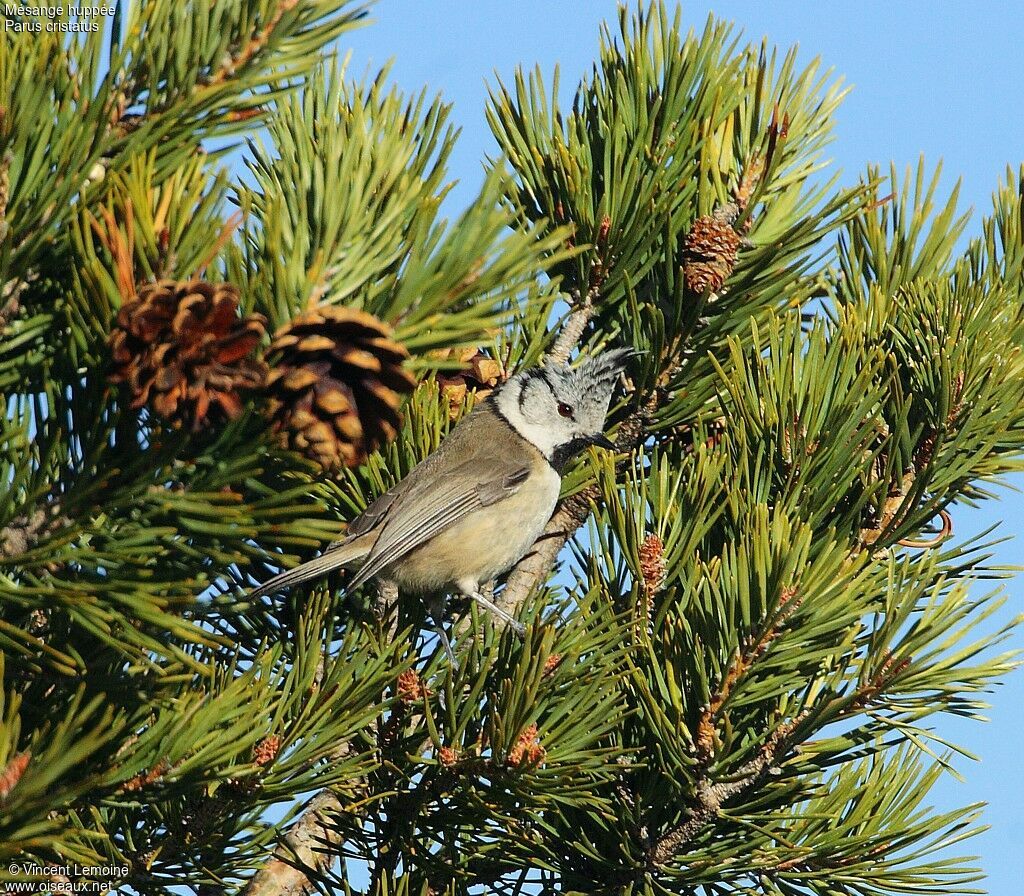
x,y
709,253
183,350
335,383
480,374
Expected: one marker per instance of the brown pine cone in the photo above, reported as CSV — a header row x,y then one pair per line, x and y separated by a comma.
x,y
334,384
480,374
182,349
709,253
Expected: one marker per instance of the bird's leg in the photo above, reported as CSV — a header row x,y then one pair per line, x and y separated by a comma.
x,y
491,607
435,610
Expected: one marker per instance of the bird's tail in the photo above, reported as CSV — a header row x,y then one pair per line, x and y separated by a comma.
x,y
344,553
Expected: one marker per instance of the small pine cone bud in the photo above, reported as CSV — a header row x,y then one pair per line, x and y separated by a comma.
x,y
709,253
448,757
13,772
552,663
265,751
182,349
527,749
143,779
751,179
133,784
706,736
925,450
335,385
480,375
652,563
956,394
411,688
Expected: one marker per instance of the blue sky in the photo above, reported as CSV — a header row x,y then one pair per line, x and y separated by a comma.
x,y
936,78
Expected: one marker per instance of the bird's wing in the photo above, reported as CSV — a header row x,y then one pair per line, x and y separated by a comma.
x,y
369,519
421,513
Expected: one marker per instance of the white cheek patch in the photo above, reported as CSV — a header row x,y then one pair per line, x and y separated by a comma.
x,y
544,438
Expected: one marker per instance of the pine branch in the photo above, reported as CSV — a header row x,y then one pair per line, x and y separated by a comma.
x,y
310,846
711,796
572,332
255,45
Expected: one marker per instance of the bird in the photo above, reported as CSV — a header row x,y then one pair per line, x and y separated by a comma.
x,y
473,508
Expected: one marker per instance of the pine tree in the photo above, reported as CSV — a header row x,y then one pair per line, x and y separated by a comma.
x,y
740,625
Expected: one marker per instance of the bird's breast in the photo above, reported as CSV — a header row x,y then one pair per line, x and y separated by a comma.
x,y
484,543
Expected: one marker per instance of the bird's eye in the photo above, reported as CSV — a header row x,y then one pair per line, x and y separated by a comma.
x,y
566,410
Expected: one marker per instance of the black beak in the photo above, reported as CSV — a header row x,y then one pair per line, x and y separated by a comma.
x,y
602,441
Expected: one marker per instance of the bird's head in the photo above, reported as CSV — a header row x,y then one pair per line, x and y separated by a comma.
x,y
561,409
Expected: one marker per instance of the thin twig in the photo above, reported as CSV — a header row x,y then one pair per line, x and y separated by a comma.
x,y
572,332
310,845
255,45
738,669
